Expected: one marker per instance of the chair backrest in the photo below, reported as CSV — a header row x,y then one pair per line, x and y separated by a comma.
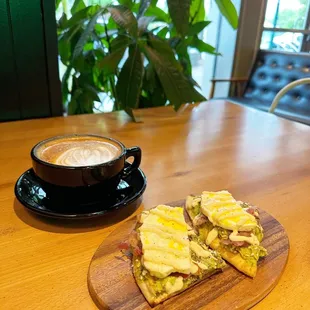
x,y
272,71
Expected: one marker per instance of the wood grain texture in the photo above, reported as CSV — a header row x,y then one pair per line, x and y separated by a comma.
x,y
259,157
112,285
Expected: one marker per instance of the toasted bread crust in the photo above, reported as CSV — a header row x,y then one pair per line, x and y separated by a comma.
x,y
235,259
146,290
154,300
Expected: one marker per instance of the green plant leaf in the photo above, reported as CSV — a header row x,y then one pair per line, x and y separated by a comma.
x,y
61,23
89,46
163,48
78,5
193,82
162,33
66,43
98,78
111,25
84,63
124,18
185,61
99,53
197,11
73,107
57,3
86,33
92,93
175,42
81,16
228,10
110,62
86,80
100,29
149,80
64,49
144,5
64,84
119,42
151,83
158,98
99,2
128,3
85,103
144,102
129,111
158,13
197,27
179,12
176,86
202,46
128,87
82,100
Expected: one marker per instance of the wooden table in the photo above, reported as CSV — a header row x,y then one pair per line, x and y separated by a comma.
x,y
258,157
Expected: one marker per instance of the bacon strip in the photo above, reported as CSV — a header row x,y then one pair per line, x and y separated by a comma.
x,y
124,245
132,245
253,211
137,251
199,220
235,243
244,233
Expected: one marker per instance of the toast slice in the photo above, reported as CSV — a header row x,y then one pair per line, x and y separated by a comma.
x,y
230,227
168,256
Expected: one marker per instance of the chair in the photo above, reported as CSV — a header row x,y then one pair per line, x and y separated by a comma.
x,y
284,90
272,71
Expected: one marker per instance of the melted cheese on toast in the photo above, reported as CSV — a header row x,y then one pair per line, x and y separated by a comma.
x,y
224,211
165,242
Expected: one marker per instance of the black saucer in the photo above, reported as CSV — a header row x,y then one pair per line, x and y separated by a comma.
x,y
55,202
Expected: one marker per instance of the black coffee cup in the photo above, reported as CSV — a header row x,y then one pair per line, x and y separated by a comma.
x,y
74,161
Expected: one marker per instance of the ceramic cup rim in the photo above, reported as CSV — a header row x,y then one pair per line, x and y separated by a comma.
x,y
108,163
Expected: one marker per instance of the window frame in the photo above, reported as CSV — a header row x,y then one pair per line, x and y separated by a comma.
x,y
305,32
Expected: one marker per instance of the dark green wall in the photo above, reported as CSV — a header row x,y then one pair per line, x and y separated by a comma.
x,y
9,99
30,85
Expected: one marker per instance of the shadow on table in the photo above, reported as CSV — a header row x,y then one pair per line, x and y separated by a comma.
x,y
73,226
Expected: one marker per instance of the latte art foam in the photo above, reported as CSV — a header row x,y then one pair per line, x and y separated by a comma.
x,y
79,152
86,155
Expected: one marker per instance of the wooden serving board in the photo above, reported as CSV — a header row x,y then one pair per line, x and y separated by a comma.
x,y
112,285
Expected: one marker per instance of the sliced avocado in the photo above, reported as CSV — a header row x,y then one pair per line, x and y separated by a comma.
x,y
258,232
223,233
252,252
214,261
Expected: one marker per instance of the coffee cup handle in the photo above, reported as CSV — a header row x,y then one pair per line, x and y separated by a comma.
x,y
134,152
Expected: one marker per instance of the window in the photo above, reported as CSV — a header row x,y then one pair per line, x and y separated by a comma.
x,y
286,26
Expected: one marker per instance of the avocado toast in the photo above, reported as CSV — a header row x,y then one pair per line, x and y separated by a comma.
x,y
230,227
167,255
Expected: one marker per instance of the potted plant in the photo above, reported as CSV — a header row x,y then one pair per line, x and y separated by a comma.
x,y
132,53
